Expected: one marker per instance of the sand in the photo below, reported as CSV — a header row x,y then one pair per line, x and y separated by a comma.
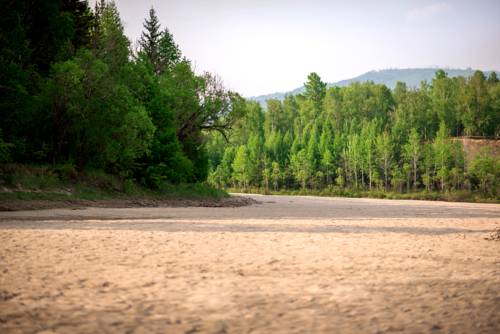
x,y
286,265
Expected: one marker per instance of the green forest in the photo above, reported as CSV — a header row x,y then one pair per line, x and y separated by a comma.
x,y
76,93
365,137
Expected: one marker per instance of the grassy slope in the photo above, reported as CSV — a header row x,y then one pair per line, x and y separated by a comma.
x,y
26,182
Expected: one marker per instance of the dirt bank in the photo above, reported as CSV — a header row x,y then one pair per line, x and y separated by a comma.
x,y
20,205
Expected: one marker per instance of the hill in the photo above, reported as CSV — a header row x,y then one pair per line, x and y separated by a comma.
x,y
389,77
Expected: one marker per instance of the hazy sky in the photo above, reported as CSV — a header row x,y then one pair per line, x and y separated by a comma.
x,y
265,46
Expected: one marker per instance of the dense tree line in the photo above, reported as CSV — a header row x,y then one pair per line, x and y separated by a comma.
x,y
364,136
72,91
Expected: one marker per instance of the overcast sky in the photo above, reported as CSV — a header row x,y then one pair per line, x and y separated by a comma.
x,y
265,46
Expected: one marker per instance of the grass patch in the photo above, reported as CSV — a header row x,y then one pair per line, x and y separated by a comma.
x,y
190,190
23,195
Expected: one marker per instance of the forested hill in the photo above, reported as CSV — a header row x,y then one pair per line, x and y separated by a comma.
x,y
389,77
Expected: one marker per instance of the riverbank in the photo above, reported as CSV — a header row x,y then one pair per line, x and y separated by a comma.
x,y
27,187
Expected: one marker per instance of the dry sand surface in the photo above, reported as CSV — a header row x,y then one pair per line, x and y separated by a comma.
x,y
285,265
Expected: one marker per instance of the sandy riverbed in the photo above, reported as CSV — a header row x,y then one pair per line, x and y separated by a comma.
x,y
288,264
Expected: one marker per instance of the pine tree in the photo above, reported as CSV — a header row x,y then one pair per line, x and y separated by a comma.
x,y
150,39
169,53
112,45
315,90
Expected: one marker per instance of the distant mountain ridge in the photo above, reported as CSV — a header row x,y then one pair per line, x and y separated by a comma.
x,y
389,77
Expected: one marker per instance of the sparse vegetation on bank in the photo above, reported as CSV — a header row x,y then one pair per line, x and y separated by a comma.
x,y
63,183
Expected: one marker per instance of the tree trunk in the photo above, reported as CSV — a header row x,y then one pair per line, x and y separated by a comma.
x,y
414,174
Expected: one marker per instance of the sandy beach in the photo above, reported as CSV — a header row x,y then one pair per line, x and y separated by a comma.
x,y
284,265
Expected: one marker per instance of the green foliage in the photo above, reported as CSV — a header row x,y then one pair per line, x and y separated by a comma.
x,y
74,94
158,47
301,166
384,149
315,90
63,182
476,114
242,167
412,153
485,170
150,39
442,155
4,149
110,43
361,138
169,52
84,96
276,175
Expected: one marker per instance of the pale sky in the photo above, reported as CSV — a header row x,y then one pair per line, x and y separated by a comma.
x,y
266,46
